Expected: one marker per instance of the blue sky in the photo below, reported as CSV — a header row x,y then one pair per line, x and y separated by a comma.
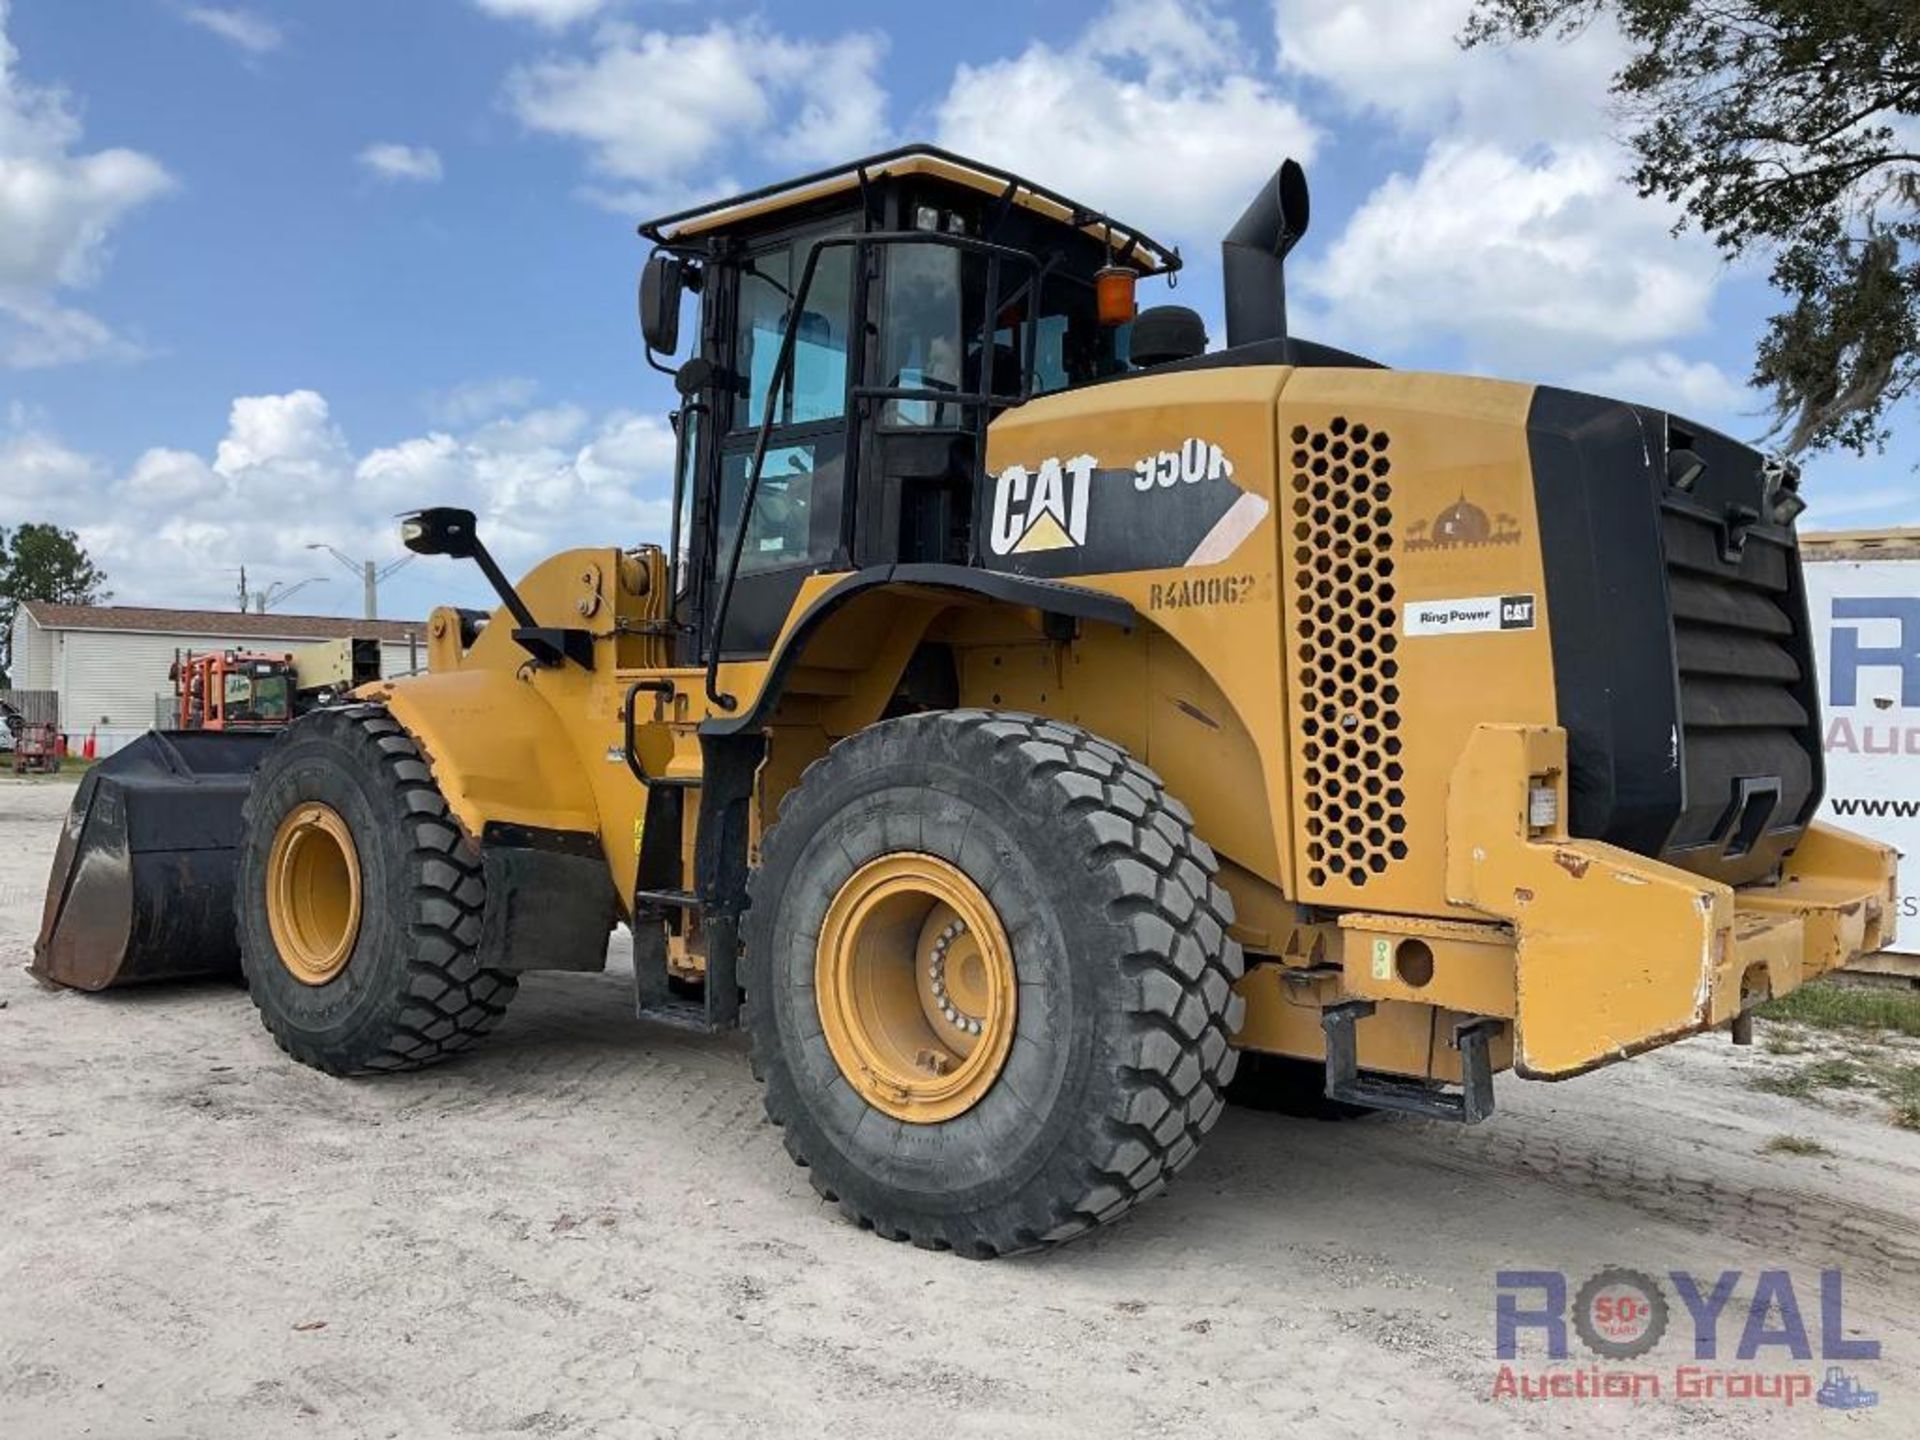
x,y
270,272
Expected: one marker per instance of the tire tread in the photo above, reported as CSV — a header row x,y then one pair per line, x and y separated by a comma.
x,y
452,998
1163,888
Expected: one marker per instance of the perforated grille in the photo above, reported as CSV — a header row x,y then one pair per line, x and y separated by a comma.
x,y
1351,772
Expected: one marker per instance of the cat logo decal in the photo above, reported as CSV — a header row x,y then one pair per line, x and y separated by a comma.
x,y
1041,509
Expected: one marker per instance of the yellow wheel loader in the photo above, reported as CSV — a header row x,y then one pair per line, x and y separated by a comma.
x,y
1038,712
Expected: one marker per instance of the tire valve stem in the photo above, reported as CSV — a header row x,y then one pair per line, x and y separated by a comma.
x,y
934,1062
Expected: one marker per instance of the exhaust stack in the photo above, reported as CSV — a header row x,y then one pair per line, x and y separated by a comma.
x,y
1253,257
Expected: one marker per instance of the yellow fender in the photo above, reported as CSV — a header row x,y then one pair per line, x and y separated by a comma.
x,y
497,749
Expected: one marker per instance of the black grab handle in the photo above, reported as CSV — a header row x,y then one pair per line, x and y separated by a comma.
x,y
662,688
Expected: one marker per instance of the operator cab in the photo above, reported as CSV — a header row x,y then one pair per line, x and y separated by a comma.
x,y
859,329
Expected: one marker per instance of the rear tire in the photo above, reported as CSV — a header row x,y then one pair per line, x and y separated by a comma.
x,y
1124,978
412,988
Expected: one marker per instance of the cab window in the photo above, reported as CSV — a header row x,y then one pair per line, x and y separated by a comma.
x,y
684,486
1070,345
817,388
920,343
272,698
781,530
796,508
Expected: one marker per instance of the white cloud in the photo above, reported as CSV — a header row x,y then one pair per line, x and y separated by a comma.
x,y
391,161
625,446
1516,238
540,480
57,211
1401,58
553,14
167,478
655,110
1153,111
173,527
35,467
1697,388
477,400
1404,61
1532,260
253,33
289,437
37,333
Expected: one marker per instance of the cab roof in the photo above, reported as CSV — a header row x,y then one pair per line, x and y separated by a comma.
x,y
1130,245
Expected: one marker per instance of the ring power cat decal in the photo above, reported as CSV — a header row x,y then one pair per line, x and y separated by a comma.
x,y
1473,615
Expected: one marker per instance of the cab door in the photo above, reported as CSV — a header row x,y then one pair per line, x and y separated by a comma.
x,y
795,529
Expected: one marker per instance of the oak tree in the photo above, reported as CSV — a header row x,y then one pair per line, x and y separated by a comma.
x,y
1787,130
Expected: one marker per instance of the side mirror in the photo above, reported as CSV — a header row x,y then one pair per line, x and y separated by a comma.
x,y
661,284
440,531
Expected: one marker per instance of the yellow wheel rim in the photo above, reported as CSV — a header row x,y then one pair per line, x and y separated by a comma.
x,y
914,978
313,893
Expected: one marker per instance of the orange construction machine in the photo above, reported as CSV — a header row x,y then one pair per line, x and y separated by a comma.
x,y
232,690
252,690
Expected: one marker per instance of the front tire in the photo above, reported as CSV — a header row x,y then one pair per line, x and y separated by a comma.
x,y
1055,1097
360,902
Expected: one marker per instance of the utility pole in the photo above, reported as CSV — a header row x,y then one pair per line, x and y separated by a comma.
x,y
371,573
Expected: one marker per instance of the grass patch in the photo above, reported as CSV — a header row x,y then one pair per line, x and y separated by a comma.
x,y
1848,1007
1793,1145
1900,1080
1895,1081
1804,1082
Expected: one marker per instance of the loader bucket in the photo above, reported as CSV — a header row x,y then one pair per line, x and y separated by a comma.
x,y
144,874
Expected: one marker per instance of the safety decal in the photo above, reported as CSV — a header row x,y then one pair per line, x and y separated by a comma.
x,y
1473,615
1070,515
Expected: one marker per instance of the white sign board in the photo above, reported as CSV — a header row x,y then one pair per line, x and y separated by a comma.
x,y
1866,628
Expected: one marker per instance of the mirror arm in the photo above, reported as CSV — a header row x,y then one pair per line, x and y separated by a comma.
x,y
502,586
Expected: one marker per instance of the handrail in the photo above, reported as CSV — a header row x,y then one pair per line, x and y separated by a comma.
x,y
1166,259
783,369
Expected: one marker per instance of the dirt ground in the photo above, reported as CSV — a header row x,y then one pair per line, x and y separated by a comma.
x,y
587,1228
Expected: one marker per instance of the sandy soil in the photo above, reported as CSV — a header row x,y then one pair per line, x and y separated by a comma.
x,y
586,1228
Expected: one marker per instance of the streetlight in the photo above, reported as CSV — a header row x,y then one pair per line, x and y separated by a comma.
x,y
369,571
264,600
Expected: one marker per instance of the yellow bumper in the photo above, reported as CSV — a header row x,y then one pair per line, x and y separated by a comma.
x,y
1614,953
